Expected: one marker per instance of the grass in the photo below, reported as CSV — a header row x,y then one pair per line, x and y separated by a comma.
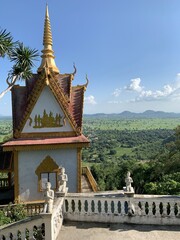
x,y
131,124
120,151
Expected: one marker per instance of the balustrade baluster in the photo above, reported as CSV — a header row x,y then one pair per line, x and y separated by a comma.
x,y
89,205
31,235
178,207
158,214
83,206
123,208
103,206
23,235
143,212
137,208
171,209
96,205
116,206
76,210
150,213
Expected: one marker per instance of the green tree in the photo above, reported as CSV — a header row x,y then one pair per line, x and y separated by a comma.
x,y
22,58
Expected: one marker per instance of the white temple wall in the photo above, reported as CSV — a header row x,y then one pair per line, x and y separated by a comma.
x,y
30,160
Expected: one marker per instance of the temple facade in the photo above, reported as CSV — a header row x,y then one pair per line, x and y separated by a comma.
x,y
47,129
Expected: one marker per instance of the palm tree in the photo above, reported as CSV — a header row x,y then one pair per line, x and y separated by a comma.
x,y
21,56
6,43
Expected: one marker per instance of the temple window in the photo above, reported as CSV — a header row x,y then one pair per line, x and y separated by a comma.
x,y
47,171
48,177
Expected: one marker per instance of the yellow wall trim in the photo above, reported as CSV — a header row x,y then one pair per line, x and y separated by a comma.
x,y
16,177
79,170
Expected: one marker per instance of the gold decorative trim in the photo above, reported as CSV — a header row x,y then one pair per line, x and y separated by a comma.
x,y
16,178
58,94
48,53
33,97
48,165
63,102
79,170
47,120
45,147
48,134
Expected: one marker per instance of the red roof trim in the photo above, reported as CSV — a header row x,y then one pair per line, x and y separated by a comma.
x,y
46,141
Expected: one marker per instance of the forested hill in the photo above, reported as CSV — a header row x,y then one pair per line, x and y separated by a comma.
x,y
132,115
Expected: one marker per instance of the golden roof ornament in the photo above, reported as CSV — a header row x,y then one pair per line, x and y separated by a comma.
x,y
48,53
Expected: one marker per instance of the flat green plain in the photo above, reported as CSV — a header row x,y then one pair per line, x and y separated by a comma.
x,y
130,124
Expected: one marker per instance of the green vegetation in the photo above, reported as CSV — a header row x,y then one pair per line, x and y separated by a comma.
x,y
5,129
144,146
149,148
11,214
115,123
22,58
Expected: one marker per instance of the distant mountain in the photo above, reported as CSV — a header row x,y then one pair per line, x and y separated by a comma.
x,y
131,115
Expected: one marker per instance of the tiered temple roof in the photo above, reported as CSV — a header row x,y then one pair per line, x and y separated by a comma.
x,y
70,98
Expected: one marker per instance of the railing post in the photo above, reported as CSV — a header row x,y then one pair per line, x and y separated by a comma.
x,y
158,214
23,235
123,208
115,206
31,235
83,206
103,206
76,206
150,213
49,231
171,214
96,206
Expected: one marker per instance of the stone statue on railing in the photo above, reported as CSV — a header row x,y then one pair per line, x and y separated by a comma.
x,y
128,190
62,182
49,198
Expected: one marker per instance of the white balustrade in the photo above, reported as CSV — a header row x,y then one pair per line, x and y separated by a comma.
x,y
141,210
99,208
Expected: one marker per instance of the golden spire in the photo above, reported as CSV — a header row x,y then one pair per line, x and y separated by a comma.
x,y
47,62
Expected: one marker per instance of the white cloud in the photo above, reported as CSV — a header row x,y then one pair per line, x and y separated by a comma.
x,y
134,85
168,92
116,92
90,100
165,92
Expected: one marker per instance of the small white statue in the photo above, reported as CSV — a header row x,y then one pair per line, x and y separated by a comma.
x,y
49,198
63,178
128,181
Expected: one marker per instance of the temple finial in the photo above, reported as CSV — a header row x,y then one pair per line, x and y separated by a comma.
x,y
48,53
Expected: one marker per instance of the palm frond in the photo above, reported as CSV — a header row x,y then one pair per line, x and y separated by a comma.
x,y
23,58
6,43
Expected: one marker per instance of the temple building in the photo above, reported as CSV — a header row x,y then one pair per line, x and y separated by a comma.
x,y
47,129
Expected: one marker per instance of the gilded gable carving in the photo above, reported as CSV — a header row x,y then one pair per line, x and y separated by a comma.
x,y
47,120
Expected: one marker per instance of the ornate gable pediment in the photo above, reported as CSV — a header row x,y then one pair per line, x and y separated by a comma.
x,y
47,111
47,115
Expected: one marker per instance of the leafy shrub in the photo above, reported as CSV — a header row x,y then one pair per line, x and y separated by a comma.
x,y
12,214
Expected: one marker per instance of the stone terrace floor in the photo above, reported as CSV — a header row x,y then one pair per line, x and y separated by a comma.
x,y
98,231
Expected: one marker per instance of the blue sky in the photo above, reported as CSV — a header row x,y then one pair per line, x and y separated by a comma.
x,y
130,49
